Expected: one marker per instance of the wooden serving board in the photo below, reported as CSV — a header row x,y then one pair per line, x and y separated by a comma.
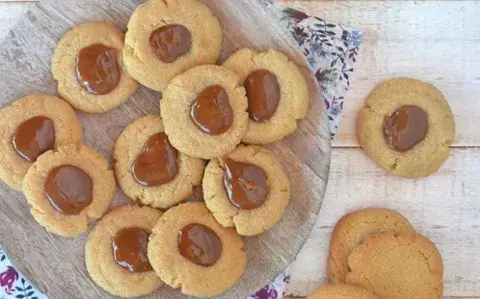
x,y
56,265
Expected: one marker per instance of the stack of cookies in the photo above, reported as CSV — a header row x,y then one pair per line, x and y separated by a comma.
x,y
376,254
222,114
406,126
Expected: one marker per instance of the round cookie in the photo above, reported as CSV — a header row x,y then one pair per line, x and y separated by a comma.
x,y
411,262
89,67
407,127
68,188
140,173
166,38
46,122
274,116
341,291
189,249
108,254
353,228
213,95
250,216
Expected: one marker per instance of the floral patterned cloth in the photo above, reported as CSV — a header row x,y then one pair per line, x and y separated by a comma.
x,y
12,284
331,50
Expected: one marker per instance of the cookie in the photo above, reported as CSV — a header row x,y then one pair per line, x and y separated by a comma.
x,y
411,263
166,38
406,127
150,170
341,291
29,127
246,189
89,67
353,228
116,252
276,90
68,188
204,111
189,250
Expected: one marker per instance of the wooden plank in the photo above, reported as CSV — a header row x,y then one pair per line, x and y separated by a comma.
x,y
25,68
355,14
9,15
435,41
445,207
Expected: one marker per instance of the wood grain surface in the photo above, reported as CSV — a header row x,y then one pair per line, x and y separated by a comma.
x,y
9,15
400,38
436,41
56,265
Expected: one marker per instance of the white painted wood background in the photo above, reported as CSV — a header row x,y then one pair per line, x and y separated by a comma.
x,y
437,41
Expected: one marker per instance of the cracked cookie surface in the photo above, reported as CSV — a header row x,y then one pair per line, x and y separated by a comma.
x,y
64,68
99,252
294,97
128,147
397,267
67,129
140,57
353,228
341,291
257,220
91,163
427,155
179,272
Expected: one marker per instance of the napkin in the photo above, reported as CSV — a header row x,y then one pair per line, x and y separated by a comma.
x,y
331,49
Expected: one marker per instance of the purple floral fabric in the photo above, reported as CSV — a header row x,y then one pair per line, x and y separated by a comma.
x,y
331,49
275,289
12,284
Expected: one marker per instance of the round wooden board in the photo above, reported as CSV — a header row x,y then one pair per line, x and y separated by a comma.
x,y
56,265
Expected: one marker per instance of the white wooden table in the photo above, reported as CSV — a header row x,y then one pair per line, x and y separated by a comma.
x,y
436,41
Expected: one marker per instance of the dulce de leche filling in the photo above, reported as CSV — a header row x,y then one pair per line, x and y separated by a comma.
x,y
97,69
407,126
33,137
68,189
211,111
170,42
157,163
130,249
263,93
245,184
200,244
